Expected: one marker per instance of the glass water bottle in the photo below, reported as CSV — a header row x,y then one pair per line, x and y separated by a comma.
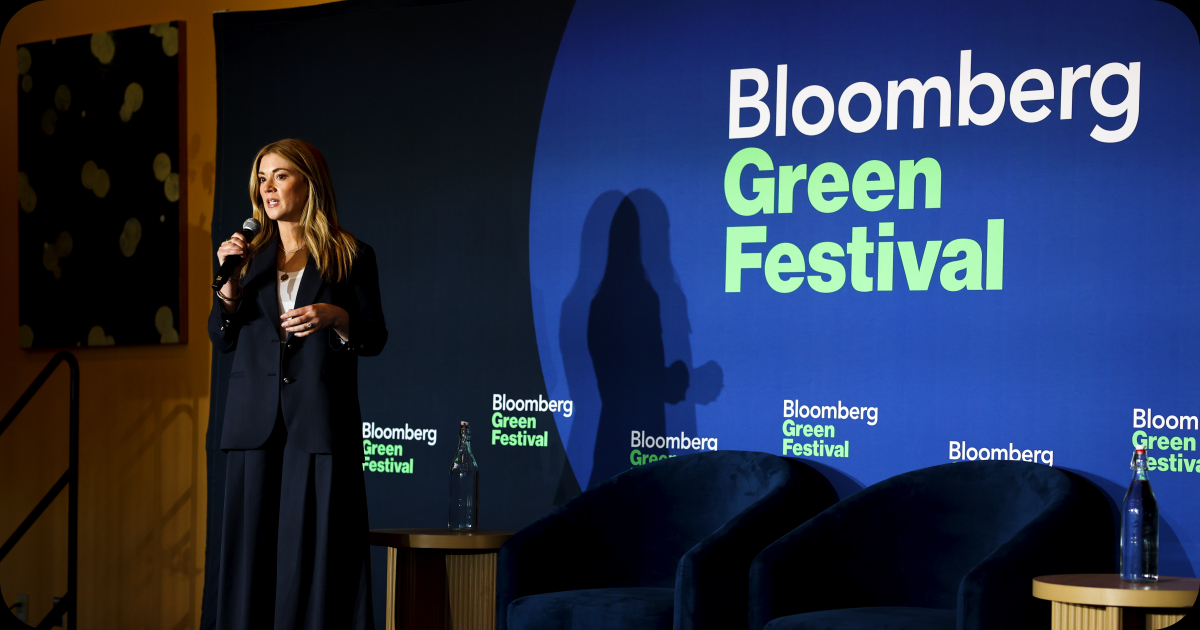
x,y
464,484
1139,526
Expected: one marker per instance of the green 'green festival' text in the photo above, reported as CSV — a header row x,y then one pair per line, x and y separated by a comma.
x,y
964,263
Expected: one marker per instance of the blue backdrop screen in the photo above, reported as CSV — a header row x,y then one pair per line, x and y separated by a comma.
x,y
742,236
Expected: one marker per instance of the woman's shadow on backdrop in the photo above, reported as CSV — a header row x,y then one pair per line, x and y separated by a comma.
x,y
624,337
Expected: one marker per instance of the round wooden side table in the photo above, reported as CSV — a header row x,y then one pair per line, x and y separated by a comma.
x,y
1097,601
440,579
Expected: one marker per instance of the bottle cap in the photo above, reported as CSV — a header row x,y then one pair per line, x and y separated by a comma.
x,y
1134,460
463,423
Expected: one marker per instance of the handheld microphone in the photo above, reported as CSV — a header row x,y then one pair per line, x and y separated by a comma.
x,y
249,229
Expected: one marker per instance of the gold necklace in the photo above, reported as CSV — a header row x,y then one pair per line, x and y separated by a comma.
x,y
293,251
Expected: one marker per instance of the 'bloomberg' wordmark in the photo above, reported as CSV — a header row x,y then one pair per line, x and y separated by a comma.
x,y
960,451
501,402
793,409
639,440
1021,93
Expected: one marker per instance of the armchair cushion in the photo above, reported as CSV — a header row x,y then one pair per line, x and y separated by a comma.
x,y
595,609
874,618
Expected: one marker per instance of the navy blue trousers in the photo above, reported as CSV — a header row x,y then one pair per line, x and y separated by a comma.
x,y
294,549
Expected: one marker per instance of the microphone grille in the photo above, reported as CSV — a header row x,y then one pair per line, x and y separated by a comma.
x,y
252,226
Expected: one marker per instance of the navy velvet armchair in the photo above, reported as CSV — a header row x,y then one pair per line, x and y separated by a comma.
x,y
664,545
950,547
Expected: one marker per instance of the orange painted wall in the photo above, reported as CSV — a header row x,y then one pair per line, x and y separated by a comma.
x,y
144,410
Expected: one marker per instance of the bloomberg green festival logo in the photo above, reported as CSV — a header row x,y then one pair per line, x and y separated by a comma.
x,y
986,237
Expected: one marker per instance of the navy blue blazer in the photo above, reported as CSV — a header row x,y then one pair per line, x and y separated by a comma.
x,y
313,379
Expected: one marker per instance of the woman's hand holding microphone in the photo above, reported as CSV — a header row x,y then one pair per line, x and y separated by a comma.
x,y
235,245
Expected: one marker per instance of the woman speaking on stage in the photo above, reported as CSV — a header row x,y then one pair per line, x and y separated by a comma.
x,y
297,315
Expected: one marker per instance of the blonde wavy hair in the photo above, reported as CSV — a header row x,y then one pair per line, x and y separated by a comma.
x,y
332,248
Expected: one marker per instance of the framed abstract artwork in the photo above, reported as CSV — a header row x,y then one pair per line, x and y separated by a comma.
x,y
102,189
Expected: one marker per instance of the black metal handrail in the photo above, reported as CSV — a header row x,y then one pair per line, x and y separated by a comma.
x,y
69,479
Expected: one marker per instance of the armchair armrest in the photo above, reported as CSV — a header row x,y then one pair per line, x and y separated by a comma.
x,y
724,558
1073,535
552,554
805,570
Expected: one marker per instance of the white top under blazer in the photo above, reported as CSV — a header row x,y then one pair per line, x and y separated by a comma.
x,y
289,285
